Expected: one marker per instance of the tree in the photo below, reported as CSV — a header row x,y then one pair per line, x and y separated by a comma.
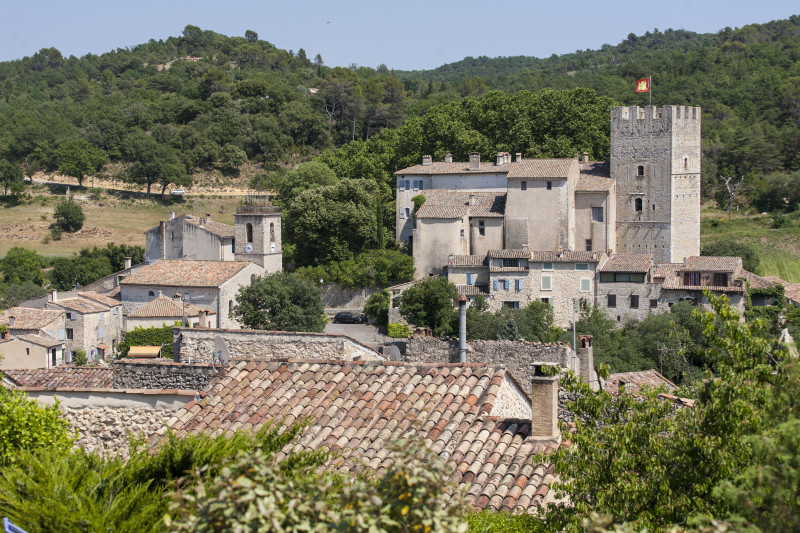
x,y
250,35
731,189
377,307
153,162
13,295
69,215
430,303
728,248
281,301
233,157
306,176
731,456
21,265
29,426
77,158
11,177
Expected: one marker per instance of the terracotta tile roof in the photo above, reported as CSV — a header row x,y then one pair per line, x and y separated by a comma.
x,y
628,263
440,168
466,260
446,203
42,340
565,257
63,377
184,273
792,292
472,290
104,299
114,293
164,307
713,264
672,274
357,407
636,380
515,253
30,318
82,305
217,228
757,282
594,184
542,168
596,169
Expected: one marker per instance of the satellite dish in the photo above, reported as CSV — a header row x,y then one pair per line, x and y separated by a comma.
x,y
221,350
394,353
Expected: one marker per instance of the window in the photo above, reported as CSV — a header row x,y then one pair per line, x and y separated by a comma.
x,y
549,185
637,204
114,310
505,284
611,300
692,278
27,351
230,307
547,266
547,283
407,185
588,245
70,334
481,228
583,305
511,305
402,214
597,214
634,301
249,232
511,262
233,246
408,212
640,170
721,279
517,285
581,266
462,234
400,185
271,232
149,293
545,300
654,207
685,162
102,316
611,277
586,285
523,185
470,279
653,303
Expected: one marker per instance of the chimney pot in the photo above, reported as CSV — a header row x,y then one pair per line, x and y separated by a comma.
x,y
128,262
585,157
448,158
171,215
208,216
474,160
544,404
500,158
12,320
471,199
54,296
519,157
427,160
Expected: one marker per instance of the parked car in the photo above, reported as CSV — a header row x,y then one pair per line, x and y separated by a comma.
x,y
177,192
346,318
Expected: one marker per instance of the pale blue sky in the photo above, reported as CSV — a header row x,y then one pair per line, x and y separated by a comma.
x,y
403,34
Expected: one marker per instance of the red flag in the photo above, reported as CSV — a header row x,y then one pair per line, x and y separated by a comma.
x,y
643,85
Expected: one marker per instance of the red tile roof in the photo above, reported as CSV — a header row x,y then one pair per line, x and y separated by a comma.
x,y
82,305
446,203
542,168
466,260
62,377
594,184
636,380
757,282
356,408
472,290
713,264
185,273
42,340
163,307
30,318
595,169
565,257
441,168
628,263
510,253
104,299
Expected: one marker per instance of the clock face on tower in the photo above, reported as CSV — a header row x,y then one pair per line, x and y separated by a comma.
x,y
248,248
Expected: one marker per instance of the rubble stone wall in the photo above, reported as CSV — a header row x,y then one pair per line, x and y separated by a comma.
x,y
161,374
106,429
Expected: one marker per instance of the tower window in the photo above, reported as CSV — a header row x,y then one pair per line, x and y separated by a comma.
x,y
549,185
640,170
249,232
271,232
230,307
481,228
637,204
523,185
685,162
597,214
588,245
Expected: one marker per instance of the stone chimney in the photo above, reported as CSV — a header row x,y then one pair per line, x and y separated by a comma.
x,y
12,320
208,217
501,158
128,262
427,160
448,158
544,404
471,199
524,245
585,157
172,215
54,296
162,231
474,160
203,323
519,157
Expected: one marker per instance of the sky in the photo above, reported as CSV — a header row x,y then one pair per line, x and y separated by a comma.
x,y
404,35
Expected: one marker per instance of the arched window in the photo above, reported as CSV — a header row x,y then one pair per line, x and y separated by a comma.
x,y
151,293
637,204
271,232
230,307
249,232
685,162
640,170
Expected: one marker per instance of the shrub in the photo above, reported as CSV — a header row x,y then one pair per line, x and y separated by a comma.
x,y
398,331
69,215
80,358
377,307
55,233
148,337
26,425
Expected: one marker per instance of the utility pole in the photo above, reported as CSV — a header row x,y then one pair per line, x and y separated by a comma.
x,y
574,335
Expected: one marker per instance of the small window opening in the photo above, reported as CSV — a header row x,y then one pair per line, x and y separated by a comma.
x,y
271,232
481,228
249,232
549,185
640,170
588,245
523,185
637,204
685,162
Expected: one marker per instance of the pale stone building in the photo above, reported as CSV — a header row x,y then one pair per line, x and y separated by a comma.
x,y
93,323
34,338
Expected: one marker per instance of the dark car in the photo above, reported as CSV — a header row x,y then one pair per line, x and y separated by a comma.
x,y
346,318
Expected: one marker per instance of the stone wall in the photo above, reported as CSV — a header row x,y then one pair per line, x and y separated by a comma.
x,y
161,374
107,428
198,345
336,297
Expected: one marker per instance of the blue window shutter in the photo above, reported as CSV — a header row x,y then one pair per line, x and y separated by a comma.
x,y
100,333
495,284
505,284
518,284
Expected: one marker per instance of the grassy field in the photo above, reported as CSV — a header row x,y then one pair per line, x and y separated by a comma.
x,y
118,218
778,247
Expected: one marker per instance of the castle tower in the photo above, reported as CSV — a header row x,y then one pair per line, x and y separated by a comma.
x,y
258,234
655,160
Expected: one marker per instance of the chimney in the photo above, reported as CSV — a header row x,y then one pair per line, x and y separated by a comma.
x,y
54,296
128,261
203,323
585,354
427,160
500,158
448,158
462,329
162,230
172,215
508,157
160,294
519,157
474,160
524,245
471,199
12,320
544,403
585,157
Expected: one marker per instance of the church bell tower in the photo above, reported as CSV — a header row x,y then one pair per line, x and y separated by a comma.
x,y
258,233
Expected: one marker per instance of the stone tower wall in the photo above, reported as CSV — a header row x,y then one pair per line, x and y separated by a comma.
x,y
686,159
266,248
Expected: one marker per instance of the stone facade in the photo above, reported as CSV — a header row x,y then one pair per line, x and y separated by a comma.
x,y
197,345
107,429
623,308
335,297
258,236
161,374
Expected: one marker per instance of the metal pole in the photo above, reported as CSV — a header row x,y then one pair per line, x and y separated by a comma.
x,y
574,337
462,329
650,86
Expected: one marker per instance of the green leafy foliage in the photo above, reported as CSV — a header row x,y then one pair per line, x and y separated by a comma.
x,y
377,307
12,295
727,248
11,178
534,323
69,215
26,425
281,301
373,268
91,264
153,336
430,303
21,265
80,358
398,331
642,462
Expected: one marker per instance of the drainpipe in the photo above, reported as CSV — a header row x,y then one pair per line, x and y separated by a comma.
x,y
462,329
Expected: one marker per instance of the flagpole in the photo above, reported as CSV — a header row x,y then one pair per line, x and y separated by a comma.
x,y
650,86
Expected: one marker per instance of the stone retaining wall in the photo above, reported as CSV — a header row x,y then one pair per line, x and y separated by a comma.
x,y
106,429
197,345
161,374
336,297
